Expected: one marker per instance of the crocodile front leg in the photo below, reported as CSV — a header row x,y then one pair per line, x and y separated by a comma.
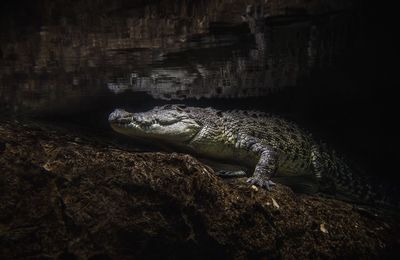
x,y
266,166
264,170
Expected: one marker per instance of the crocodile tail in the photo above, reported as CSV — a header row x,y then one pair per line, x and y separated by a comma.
x,y
336,175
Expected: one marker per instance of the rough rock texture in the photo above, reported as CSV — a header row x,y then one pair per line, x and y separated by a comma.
x,y
67,196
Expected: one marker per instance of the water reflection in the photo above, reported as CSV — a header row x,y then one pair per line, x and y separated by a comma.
x,y
167,49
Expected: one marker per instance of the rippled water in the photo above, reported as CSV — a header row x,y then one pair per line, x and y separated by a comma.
x,y
205,49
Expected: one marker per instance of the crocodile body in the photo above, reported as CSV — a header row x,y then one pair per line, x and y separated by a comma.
x,y
270,145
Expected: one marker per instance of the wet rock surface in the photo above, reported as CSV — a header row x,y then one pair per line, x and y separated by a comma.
x,y
67,195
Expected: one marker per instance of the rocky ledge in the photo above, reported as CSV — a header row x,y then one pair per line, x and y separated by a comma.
x,y
67,196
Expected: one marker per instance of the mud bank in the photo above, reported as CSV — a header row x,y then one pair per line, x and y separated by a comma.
x,y
64,195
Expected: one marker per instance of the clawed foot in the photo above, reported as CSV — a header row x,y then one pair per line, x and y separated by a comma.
x,y
261,182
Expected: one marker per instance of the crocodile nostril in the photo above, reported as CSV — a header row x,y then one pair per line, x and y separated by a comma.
x,y
118,115
112,117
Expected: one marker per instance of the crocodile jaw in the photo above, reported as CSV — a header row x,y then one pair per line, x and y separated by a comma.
x,y
154,124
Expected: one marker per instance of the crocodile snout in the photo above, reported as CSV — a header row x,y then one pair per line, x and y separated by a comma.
x,y
119,115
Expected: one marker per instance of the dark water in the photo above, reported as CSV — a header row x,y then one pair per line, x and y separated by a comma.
x,y
315,63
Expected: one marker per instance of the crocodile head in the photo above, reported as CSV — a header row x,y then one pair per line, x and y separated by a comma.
x,y
170,123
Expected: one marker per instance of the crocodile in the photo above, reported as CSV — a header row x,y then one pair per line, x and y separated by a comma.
x,y
272,146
